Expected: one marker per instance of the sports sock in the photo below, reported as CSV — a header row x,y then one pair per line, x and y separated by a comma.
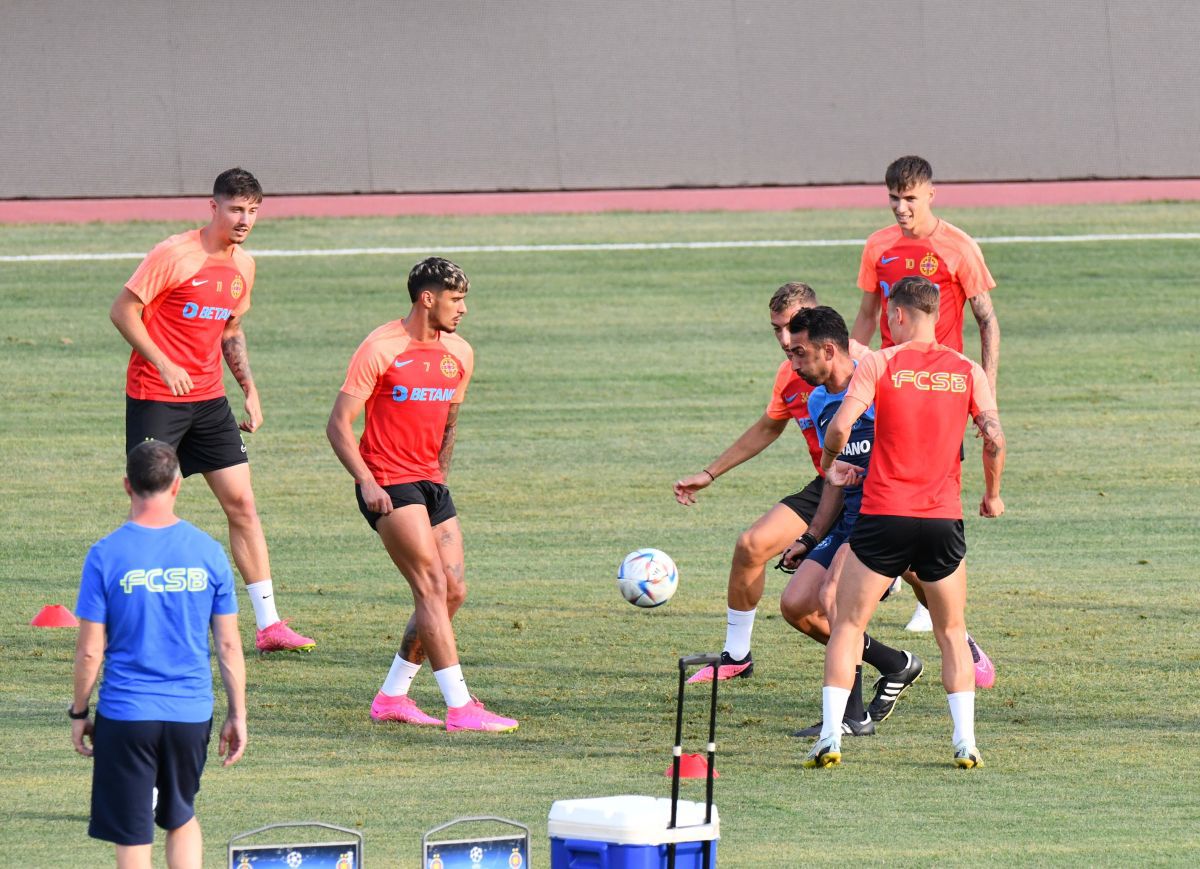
x,y
962,711
262,596
854,705
400,677
738,627
883,658
833,709
453,685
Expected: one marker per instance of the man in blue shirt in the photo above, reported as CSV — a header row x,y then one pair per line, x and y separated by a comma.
x,y
820,353
149,593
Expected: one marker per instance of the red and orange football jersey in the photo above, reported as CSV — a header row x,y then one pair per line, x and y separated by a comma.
x,y
408,387
789,398
188,296
949,257
923,394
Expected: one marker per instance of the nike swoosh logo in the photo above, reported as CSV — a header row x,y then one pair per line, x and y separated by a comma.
x,y
196,283
400,364
889,259
788,399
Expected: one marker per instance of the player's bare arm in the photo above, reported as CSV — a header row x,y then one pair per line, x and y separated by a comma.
x,y
446,451
764,432
863,329
233,348
89,655
832,498
126,315
838,433
340,431
989,336
228,644
988,425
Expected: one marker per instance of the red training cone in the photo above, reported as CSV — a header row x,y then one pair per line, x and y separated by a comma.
x,y
691,766
55,615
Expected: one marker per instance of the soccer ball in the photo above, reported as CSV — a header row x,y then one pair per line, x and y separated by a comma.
x,y
647,578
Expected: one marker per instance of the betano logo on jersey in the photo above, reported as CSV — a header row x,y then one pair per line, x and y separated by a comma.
x,y
192,311
930,381
171,579
418,393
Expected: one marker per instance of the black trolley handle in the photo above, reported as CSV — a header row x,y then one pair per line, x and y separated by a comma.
x,y
702,660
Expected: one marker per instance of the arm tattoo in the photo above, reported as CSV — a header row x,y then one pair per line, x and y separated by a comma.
x,y
989,334
447,449
988,424
233,347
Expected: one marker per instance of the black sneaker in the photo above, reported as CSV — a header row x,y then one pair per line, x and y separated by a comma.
x,y
727,669
889,688
849,728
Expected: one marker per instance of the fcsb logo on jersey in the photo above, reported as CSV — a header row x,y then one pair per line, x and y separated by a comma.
x,y
930,381
172,579
929,265
449,366
235,289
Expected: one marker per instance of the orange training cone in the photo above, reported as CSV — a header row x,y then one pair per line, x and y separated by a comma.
x,y
691,766
55,616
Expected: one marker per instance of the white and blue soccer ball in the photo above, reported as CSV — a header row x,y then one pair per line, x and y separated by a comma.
x,y
648,577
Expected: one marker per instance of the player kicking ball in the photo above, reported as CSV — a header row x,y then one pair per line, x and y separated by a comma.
x,y
411,376
911,516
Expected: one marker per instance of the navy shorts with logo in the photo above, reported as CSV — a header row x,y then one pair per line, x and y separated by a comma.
x,y
824,551
205,434
890,545
130,759
435,497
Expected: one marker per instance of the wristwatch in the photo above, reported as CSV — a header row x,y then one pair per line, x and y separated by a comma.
x,y
77,716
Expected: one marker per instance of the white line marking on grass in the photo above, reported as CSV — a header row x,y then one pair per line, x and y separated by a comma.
x,y
615,246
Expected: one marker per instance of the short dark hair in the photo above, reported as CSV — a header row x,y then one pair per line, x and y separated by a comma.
x,y
237,183
822,323
791,293
916,293
151,467
907,172
437,274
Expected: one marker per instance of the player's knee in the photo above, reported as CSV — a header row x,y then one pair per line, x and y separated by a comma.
x,y
753,547
429,584
456,593
240,508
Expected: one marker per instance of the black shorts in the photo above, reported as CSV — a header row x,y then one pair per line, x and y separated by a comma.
x,y
890,545
204,434
131,759
435,497
804,503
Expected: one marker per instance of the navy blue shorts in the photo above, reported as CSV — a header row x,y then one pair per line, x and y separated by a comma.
x,y
131,759
205,434
824,551
435,497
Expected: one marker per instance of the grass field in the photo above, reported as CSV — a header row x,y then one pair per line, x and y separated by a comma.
x,y
601,378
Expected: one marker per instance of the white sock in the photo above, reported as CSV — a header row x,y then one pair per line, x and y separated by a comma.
x,y
738,627
453,685
400,677
262,596
962,711
833,709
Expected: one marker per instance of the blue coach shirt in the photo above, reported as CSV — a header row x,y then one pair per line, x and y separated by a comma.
x,y
155,590
822,407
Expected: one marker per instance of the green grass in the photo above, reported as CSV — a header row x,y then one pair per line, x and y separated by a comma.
x,y
602,377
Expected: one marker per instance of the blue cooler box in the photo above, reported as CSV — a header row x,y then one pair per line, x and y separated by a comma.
x,y
629,832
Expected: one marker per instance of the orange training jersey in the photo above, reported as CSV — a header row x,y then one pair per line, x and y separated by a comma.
x,y
789,398
188,295
949,257
922,394
408,387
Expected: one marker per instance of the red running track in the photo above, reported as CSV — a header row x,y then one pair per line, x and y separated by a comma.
x,y
984,195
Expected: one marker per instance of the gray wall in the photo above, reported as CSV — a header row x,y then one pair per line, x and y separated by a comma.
x,y
133,97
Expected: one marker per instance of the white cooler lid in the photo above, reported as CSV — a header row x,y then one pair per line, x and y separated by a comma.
x,y
631,820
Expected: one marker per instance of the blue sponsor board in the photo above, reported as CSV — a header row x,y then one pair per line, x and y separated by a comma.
x,y
326,855
507,852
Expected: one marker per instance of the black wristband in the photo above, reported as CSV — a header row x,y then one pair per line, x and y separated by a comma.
x,y
710,474
78,716
808,540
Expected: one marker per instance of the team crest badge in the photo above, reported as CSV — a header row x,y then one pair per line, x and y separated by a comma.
x,y
514,859
929,265
436,862
235,289
449,366
345,861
